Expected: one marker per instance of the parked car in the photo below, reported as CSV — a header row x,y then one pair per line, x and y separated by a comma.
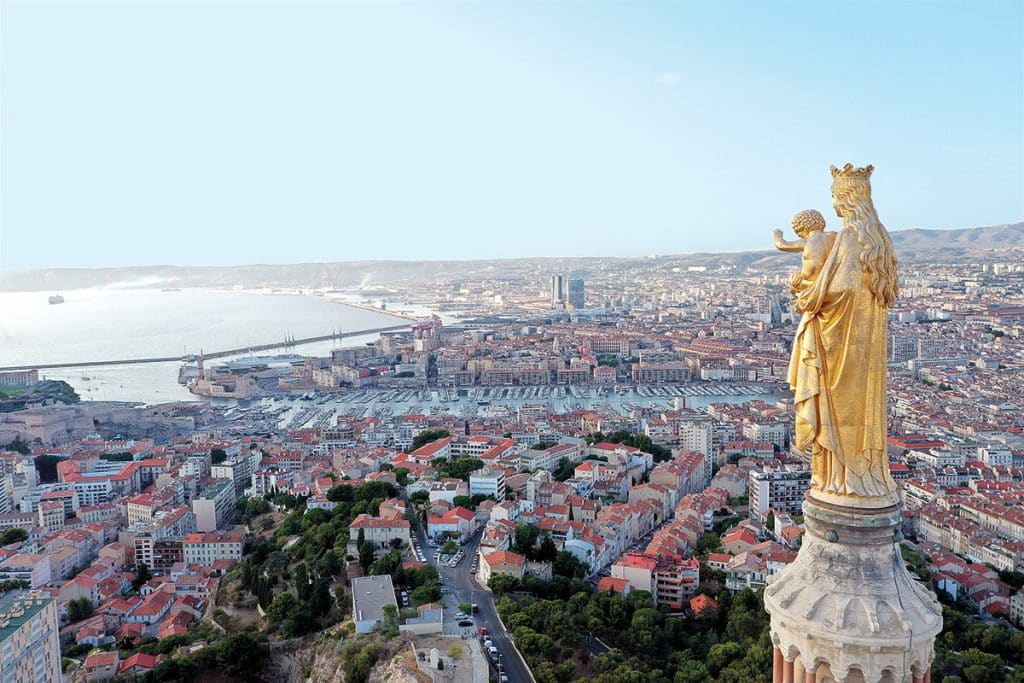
x,y
465,622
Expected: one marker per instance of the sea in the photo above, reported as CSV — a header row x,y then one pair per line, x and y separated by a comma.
x,y
107,323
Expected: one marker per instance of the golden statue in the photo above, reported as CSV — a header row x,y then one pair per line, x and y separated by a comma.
x,y
844,290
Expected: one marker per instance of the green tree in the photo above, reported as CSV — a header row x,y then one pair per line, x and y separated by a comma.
x,y
283,607
547,550
239,654
373,490
526,537
982,667
142,575
1014,579
303,588
320,597
367,552
708,543
402,476
13,535
425,437
79,608
565,564
565,469
722,654
459,468
218,455
341,493
390,622
500,584
425,594
117,457
254,507
19,445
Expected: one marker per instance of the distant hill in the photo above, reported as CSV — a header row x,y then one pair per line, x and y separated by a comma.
x,y
995,237
943,245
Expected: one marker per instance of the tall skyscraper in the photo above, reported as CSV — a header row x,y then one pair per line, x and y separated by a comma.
x,y
557,291
576,298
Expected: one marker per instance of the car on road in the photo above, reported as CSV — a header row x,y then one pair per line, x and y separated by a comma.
x,y
465,622
483,631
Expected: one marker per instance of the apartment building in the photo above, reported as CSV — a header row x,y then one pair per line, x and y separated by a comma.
x,y
206,549
778,487
487,482
214,506
29,643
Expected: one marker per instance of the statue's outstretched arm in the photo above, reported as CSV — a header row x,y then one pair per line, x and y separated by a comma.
x,y
783,245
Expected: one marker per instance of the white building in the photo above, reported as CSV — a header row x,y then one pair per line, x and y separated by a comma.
x,y
695,437
370,595
29,643
996,456
487,482
214,507
205,549
778,488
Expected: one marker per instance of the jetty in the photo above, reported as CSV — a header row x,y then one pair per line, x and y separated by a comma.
x,y
290,341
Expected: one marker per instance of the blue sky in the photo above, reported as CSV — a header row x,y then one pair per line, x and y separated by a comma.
x,y
231,132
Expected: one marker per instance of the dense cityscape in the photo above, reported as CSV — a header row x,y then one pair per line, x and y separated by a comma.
x,y
554,476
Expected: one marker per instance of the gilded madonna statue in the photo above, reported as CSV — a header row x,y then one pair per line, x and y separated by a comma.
x,y
838,366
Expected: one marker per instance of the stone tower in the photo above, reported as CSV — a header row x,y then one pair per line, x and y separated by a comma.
x,y
847,610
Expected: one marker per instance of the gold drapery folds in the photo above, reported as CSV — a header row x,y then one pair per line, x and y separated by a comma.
x,y
838,366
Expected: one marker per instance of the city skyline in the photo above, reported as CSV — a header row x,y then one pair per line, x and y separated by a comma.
x,y
330,132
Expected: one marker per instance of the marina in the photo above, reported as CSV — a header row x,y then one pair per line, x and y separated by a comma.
x,y
322,410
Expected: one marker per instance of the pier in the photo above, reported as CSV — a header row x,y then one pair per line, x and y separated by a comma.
x,y
206,356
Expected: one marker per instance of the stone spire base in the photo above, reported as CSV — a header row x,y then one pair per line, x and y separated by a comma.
x,y
847,610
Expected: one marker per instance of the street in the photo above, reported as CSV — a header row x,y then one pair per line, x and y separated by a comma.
x,y
460,586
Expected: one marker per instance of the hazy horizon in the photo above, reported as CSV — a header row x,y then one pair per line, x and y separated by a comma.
x,y
236,133
467,259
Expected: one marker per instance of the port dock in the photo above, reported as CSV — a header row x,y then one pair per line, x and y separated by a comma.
x,y
209,355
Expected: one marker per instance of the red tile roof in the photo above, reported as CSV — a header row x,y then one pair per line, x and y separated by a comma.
x,y
610,583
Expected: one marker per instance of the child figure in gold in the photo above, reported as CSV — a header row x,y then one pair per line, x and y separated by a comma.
x,y
814,243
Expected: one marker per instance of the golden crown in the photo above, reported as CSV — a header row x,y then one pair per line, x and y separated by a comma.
x,y
850,172
850,179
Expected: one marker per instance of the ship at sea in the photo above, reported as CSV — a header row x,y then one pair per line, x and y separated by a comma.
x,y
56,299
